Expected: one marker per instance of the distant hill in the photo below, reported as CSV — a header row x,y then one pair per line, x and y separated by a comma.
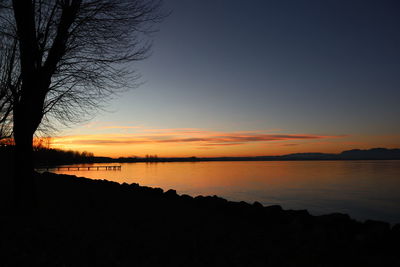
x,y
374,153
354,154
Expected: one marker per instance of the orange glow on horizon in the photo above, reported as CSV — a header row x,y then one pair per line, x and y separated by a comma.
x,y
188,142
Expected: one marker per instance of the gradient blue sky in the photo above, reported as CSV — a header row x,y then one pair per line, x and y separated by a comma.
x,y
310,67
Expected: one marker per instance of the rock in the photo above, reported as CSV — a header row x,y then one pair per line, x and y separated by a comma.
x,y
185,197
158,190
244,204
298,213
171,194
396,231
257,204
273,209
334,218
134,185
396,228
376,229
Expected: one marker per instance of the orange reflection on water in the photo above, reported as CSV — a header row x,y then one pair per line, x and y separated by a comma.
x,y
365,189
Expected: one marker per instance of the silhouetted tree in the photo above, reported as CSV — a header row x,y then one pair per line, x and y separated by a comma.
x,y
7,59
61,59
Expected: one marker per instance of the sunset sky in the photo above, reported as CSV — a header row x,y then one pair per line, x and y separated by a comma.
x,y
247,78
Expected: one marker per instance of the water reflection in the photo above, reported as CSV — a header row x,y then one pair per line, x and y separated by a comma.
x,y
364,189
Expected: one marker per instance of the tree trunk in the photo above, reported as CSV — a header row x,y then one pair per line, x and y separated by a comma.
x,y
23,178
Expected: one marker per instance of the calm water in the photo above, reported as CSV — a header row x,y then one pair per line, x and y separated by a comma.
x,y
363,189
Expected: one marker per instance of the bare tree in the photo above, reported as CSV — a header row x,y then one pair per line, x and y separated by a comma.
x,y
7,85
60,59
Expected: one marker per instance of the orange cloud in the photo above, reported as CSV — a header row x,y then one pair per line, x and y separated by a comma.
x,y
117,141
197,137
119,127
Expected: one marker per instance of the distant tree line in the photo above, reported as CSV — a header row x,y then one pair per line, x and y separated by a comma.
x,y
46,156
51,156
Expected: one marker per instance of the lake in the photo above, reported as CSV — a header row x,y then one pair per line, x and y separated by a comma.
x,y
362,189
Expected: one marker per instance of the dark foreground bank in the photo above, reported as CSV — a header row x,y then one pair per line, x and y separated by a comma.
x,y
82,222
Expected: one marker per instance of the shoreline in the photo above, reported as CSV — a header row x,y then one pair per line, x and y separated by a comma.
x,y
84,222
50,166
298,187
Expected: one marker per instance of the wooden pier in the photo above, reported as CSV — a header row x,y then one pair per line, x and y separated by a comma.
x,y
86,168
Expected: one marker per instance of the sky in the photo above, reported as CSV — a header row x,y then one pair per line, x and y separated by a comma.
x,y
249,78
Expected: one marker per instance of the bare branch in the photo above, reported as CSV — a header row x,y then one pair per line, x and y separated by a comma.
x,y
60,59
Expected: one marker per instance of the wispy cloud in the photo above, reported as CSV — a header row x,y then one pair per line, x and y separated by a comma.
x,y
119,127
290,144
193,136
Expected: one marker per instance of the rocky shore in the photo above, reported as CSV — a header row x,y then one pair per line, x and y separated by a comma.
x,y
83,222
